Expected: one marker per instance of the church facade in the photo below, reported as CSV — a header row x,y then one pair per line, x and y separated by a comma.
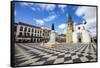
x,y
77,33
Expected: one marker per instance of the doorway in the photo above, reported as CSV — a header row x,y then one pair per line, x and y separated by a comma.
x,y
79,40
79,35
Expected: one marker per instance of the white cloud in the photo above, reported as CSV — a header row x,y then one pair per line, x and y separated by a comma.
x,y
64,32
50,18
80,11
26,4
93,31
47,7
33,8
92,26
88,14
62,7
91,21
39,21
62,26
42,21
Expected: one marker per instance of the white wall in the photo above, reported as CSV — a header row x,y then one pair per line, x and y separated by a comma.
x,y
5,34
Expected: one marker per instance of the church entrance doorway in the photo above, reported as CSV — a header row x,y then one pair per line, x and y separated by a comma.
x,y
79,40
79,37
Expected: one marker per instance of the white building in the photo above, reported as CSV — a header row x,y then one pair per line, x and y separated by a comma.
x,y
29,33
81,34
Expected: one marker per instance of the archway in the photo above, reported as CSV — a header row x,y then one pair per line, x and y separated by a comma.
x,y
79,37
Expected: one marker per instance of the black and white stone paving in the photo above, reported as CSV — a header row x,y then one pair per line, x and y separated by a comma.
x,y
36,54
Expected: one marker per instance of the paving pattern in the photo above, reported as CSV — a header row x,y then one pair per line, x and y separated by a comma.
x,y
36,54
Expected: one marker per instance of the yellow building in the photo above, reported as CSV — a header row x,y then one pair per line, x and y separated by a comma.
x,y
69,31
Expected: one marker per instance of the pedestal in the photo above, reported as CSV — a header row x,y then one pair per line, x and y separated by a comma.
x,y
52,40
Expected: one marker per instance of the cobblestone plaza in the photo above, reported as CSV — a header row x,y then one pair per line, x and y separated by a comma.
x,y
36,54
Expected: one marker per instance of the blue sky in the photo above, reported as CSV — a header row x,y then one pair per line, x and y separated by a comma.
x,y
46,14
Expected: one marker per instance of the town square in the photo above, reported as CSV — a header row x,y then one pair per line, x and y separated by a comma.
x,y
48,34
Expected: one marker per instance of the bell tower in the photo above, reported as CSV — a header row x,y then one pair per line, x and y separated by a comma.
x,y
69,29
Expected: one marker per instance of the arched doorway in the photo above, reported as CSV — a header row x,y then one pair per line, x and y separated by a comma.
x,y
79,37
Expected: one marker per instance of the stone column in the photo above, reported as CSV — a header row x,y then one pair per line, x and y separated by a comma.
x,y
52,37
